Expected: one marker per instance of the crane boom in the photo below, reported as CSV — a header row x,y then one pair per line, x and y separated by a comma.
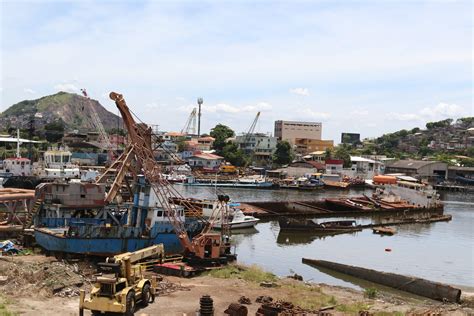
x,y
190,123
104,138
247,137
141,150
138,159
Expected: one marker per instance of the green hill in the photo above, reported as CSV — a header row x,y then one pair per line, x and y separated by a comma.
x,y
442,137
72,109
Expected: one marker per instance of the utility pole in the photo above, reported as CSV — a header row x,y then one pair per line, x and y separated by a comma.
x,y
200,101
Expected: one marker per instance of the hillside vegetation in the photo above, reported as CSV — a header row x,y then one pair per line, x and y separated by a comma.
x,y
71,109
443,140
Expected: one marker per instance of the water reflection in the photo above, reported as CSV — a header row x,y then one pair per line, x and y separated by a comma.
x,y
441,251
301,238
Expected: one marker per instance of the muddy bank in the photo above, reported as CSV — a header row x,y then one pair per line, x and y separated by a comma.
x,y
225,286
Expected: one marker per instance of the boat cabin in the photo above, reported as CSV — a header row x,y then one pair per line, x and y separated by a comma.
x,y
17,166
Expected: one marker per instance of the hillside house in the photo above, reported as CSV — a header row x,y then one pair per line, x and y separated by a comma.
x,y
334,166
205,161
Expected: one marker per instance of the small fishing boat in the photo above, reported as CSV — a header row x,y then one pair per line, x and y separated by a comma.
x,y
384,230
238,220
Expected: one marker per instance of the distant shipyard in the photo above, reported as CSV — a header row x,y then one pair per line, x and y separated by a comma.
x,y
174,203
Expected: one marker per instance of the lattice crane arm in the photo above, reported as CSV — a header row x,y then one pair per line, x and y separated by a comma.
x,y
142,151
98,123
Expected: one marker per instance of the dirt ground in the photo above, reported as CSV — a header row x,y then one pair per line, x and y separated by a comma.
x,y
35,299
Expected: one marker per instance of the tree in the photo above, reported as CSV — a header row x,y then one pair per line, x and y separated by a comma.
x,y
439,124
470,151
283,154
328,153
54,131
221,133
342,152
181,145
233,154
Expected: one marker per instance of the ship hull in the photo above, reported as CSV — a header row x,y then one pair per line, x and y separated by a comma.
x,y
53,241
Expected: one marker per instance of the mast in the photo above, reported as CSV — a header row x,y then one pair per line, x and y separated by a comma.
x,y
200,102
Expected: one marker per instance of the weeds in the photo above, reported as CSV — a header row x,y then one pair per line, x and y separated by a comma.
x,y
332,301
353,308
371,292
252,273
4,308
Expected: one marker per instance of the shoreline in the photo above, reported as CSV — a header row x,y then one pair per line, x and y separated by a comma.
x,y
225,286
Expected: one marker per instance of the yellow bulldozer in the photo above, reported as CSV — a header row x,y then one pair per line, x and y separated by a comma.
x,y
121,284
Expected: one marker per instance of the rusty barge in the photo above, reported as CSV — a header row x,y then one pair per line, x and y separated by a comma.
x,y
354,206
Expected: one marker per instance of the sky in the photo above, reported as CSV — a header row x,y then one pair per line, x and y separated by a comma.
x,y
368,67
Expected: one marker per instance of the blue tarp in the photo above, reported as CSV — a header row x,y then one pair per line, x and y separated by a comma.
x,y
7,246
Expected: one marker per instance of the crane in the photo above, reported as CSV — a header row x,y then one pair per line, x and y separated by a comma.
x,y
138,159
245,143
104,138
190,123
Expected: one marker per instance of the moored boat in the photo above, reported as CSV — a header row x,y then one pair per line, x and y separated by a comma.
x,y
324,227
384,230
237,220
73,218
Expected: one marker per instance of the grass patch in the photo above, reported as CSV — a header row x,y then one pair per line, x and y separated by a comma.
x,y
307,296
4,308
371,292
332,301
251,273
354,308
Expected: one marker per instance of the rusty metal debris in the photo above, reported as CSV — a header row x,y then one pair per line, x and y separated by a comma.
x,y
46,278
206,306
283,308
166,287
235,309
264,299
296,277
245,300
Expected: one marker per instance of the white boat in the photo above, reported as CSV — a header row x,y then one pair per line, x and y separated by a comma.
x,y
57,164
238,220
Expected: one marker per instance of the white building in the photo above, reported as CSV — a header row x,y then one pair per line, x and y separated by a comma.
x,y
364,168
205,161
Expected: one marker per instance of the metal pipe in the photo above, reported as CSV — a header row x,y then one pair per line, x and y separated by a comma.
x,y
418,286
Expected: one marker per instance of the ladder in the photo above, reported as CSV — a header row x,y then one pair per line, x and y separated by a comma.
x,y
29,217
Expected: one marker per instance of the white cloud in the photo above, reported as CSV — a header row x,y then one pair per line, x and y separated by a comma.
x,y
308,113
259,107
154,105
227,108
300,91
442,110
435,113
403,116
180,99
28,90
66,87
359,113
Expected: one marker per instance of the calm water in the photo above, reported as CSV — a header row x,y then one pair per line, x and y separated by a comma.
x,y
441,251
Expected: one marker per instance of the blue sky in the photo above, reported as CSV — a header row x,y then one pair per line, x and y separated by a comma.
x,y
357,66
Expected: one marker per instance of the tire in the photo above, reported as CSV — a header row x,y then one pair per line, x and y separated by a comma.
x,y
130,304
146,295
